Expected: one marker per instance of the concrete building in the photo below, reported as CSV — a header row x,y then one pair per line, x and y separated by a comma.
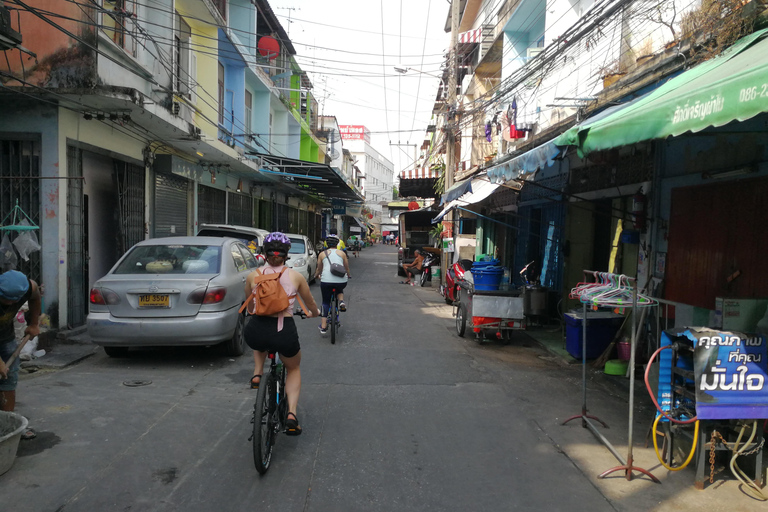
x,y
377,172
145,119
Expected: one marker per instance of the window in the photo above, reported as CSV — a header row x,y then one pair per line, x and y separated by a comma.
x,y
238,258
250,261
119,23
183,81
221,94
248,113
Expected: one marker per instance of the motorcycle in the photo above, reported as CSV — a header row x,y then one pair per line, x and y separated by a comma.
x,y
430,260
451,289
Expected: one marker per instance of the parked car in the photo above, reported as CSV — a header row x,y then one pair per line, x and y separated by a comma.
x,y
302,256
253,238
173,291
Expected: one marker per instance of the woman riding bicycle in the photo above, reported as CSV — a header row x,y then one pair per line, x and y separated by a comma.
x,y
277,332
328,281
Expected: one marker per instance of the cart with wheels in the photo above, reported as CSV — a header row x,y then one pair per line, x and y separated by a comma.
x,y
491,314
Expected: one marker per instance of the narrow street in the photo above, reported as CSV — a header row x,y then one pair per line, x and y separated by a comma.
x,y
399,414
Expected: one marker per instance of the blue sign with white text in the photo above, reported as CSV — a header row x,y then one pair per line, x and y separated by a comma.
x,y
730,373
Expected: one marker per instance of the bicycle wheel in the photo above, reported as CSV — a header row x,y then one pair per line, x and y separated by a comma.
x,y
264,419
332,317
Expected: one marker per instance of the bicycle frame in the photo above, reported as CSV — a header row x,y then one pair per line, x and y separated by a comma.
x,y
269,414
333,315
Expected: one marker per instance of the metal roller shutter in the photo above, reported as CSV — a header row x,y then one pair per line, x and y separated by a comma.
x,y
171,199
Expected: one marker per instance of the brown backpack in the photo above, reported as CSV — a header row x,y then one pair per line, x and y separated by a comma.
x,y
268,296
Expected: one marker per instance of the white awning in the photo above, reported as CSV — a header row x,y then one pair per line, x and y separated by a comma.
x,y
480,190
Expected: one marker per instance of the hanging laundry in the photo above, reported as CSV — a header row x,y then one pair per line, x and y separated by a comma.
x,y
488,132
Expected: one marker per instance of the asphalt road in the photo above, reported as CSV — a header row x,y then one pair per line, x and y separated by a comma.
x,y
399,414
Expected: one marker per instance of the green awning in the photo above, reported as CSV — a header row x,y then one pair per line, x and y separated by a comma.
x,y
730,87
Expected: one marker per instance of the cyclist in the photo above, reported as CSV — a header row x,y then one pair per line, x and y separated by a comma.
x,y
328,281
278,332
340,245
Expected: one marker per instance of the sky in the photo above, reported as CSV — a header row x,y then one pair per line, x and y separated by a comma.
x,y
349,48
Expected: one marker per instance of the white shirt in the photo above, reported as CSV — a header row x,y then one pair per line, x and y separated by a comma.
x,y
332,256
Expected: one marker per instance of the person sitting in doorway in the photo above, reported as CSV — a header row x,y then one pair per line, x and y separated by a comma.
x,y
414,268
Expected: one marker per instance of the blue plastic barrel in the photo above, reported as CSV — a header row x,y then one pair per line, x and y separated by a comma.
x,y
487,277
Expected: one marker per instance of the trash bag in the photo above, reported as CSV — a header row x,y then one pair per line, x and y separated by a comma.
x,y
8,258
26,242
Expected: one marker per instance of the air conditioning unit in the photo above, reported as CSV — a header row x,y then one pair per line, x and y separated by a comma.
x,y
530,53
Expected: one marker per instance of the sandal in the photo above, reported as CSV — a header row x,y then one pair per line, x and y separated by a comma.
x,y
255,385
28,434
292,427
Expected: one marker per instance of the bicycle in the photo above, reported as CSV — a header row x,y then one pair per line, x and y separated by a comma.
x,y
270,412
333,316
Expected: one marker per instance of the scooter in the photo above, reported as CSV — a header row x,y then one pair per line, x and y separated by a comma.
x,y
451,289
426,268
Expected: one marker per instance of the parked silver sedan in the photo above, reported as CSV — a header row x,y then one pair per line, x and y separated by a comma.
x,y
302,256
173,291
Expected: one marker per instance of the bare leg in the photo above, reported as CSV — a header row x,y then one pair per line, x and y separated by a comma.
x,y
292,380
258,362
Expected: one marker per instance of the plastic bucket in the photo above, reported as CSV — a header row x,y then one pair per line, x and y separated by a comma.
x,y
488,278
11,427
624,350
435,273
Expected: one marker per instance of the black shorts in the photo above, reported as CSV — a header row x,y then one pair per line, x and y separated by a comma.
x,y
261,334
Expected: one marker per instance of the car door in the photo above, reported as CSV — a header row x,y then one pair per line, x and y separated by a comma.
x,y
311,256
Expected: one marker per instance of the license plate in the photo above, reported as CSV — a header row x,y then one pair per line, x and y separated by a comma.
x,y
154,301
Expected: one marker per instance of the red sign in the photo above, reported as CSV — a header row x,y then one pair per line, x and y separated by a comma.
x,y
355,132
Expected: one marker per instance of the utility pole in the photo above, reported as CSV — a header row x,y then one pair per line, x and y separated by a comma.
x,y
451,124
450,116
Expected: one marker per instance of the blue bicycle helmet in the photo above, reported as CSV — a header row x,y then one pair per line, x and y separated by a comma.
x,y
276,244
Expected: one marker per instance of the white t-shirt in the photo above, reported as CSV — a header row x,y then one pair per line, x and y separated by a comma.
x,y
332,256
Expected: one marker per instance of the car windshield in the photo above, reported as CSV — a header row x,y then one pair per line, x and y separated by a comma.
x,y
297,246
171,259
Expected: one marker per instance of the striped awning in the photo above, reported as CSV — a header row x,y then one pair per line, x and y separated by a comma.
x,y
471,36
415,174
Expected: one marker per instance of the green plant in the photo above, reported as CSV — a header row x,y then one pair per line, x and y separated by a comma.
x,y
436,231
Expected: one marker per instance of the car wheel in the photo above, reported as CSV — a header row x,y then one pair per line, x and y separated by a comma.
x,y
116,351
236,346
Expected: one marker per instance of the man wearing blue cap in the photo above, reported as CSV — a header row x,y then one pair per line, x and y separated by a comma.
x,y
15,290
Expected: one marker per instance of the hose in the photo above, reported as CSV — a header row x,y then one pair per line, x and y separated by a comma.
x,y
690,455
751,487
653,398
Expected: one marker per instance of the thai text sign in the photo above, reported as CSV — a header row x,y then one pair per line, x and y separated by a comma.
x,y
729,371
355,132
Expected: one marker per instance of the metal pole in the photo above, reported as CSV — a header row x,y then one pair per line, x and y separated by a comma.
x,y
584,366
633,346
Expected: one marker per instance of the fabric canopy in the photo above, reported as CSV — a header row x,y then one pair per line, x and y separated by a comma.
x,y
457,190
480,190
526,163
730,87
